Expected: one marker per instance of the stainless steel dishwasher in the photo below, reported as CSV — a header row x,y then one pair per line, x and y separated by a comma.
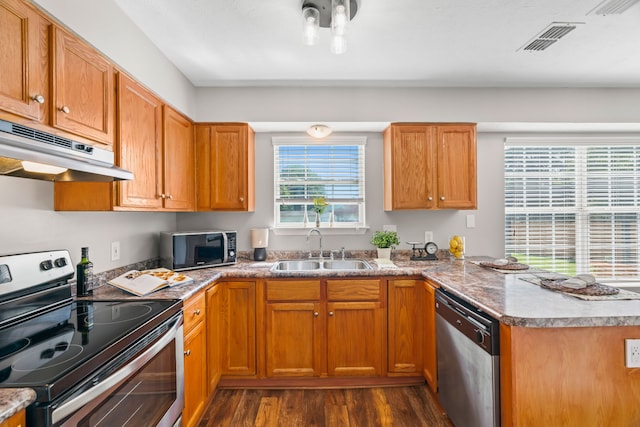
x,y
468,362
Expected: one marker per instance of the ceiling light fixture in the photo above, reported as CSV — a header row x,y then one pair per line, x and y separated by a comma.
x,y
334,14
319,131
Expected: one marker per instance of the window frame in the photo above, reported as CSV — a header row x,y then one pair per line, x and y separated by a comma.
x,y
582,209
358,227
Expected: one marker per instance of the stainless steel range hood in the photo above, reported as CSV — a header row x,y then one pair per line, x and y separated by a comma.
x,y
20,145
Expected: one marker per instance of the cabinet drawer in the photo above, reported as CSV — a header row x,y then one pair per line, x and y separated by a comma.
x,y
194,311
353,290
295,290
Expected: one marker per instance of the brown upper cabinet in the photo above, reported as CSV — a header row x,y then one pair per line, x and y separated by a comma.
x,y
52,80
430,166
225,165
155,142
178,162
24,68
83,89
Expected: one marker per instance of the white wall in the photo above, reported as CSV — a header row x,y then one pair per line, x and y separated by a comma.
x,y
28,223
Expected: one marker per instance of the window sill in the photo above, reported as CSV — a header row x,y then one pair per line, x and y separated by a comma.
x,y
324,229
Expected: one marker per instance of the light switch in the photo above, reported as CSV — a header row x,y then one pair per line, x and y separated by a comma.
x,y
471,221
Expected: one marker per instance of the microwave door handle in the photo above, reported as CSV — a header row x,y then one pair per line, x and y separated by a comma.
x,y
225,245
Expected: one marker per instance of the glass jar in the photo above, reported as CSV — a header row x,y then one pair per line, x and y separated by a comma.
x,y
457,246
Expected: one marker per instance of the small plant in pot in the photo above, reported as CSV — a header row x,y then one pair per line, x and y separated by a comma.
x,y
385,241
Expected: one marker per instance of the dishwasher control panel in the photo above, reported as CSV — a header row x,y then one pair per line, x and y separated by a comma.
x,y
476,325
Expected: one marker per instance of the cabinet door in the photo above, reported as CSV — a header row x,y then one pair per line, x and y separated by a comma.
x,y
24,68
405,326
355,338
178,161
195,375
430,367
139,147
213,337
294,339
225,167
457,167
238,328
83,89
409,168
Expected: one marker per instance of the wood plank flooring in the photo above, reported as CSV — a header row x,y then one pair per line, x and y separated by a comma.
x,y
362,407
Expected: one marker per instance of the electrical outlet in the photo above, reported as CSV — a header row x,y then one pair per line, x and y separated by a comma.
x,y
632,353
115,251
428,236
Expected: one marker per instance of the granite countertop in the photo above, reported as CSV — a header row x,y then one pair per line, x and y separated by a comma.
x,y
13,400
507,297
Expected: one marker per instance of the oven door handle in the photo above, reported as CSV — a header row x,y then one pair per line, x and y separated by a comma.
x,y
69,407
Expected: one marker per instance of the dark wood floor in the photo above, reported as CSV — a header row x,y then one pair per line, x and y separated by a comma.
x,y
389,406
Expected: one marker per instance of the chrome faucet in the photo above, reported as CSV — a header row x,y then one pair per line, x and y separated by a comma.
x,y
319,235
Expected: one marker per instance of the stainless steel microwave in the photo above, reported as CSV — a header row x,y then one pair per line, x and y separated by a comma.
x,y
197,249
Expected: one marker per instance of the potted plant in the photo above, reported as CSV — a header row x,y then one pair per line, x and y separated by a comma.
x,y
385,241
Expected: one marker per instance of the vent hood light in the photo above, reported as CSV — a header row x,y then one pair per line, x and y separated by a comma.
x,y
42,168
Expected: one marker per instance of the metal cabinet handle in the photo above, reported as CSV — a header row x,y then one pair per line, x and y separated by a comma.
x,y
242,199
197,312
442,198
331,313
187,353
64,109
430,198
170,197
315,313
38,98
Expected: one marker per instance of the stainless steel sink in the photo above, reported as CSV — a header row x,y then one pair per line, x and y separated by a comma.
x,y
318,265
296,265
347,264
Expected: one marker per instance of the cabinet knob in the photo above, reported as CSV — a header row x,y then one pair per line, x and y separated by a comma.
x,y
197,312
162,196
315,313
187,353
64,109
242,199
170,197
442,198
331,313
38,98
430,198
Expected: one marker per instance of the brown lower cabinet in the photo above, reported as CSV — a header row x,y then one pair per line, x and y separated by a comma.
x,y
308,334
196,390
16,420
405,326
429,361
238,328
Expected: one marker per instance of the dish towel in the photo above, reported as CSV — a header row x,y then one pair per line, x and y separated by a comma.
x,y
385,264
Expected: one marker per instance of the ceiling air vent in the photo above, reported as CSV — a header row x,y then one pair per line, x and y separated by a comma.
x,y
612,7
554,32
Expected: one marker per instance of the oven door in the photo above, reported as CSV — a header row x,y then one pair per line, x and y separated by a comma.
x,y
147,390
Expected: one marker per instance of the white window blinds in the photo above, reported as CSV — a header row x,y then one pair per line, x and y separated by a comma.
x,y
572,206
333,170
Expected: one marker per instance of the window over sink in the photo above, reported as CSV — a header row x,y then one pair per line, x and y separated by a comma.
x,y
329,171
572,205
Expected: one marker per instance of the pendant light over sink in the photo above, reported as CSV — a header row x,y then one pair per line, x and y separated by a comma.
x,y
334,14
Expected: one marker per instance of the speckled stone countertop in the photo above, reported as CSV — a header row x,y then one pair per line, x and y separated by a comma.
x,y
13,400
506,297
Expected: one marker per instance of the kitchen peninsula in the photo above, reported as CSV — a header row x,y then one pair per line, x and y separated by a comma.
x,y
562,359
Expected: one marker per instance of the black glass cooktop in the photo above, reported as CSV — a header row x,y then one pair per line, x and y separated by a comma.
x,y
62,347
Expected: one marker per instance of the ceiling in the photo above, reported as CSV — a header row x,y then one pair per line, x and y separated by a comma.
x,y
429,43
